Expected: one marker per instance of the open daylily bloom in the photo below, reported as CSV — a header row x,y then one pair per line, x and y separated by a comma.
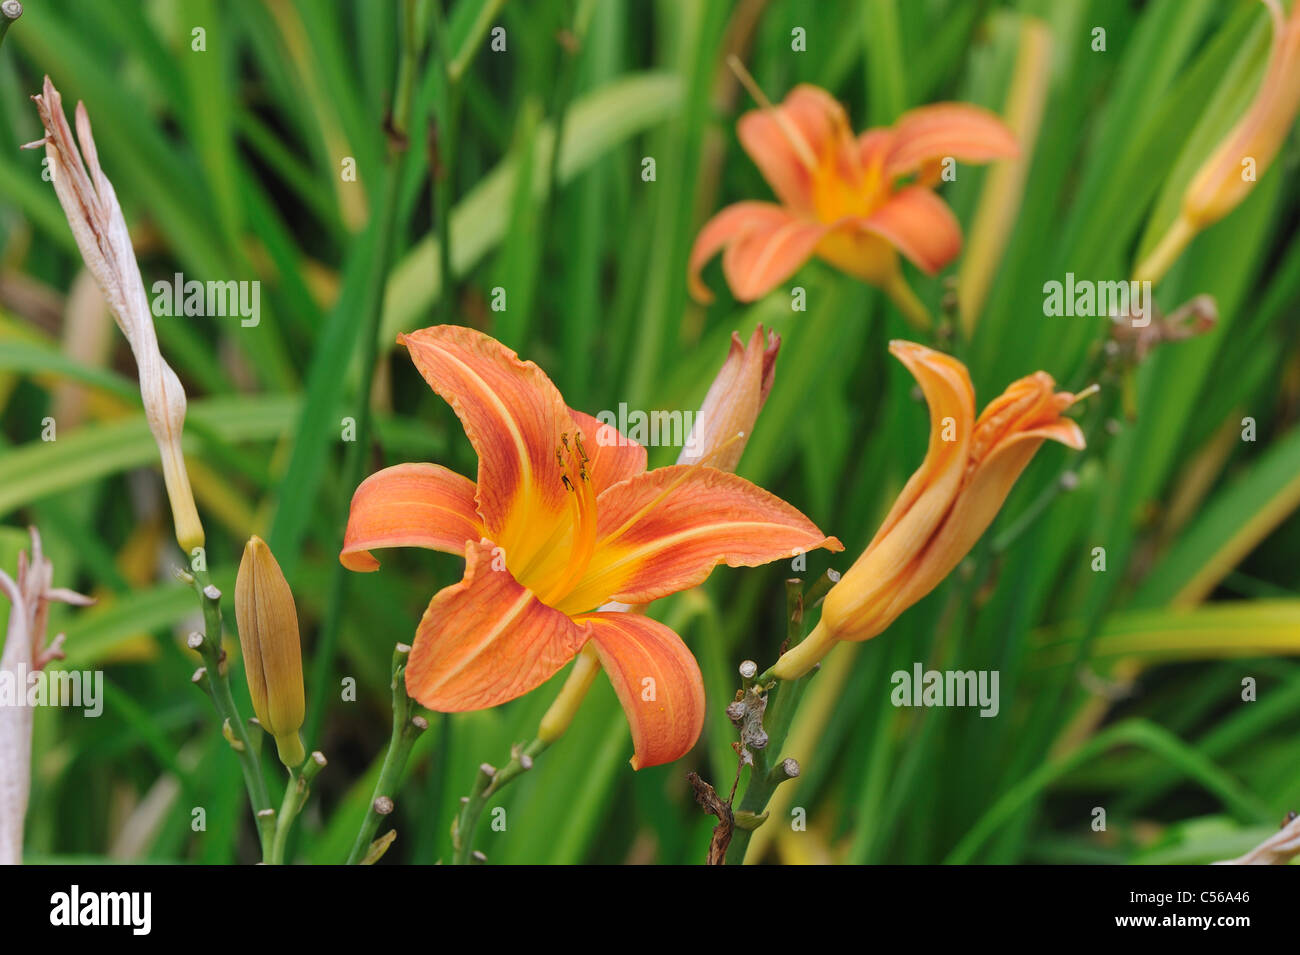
x,y
969,469
1230,172
557,524
855,202
718,437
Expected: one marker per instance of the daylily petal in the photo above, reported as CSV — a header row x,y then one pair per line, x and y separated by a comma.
x,y
924,501
657,681
724,228
862,254
614,456
964,132
410,505
920,225
790,143
974,510
762,258
487,639
514,417
667,529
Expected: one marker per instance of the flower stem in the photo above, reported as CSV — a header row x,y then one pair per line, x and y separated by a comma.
x,y
407,727
10,11
487,784
215,682
783,701
1171,245
295,795
912,308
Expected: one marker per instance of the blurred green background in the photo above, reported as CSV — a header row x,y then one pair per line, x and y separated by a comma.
x,y
1120,689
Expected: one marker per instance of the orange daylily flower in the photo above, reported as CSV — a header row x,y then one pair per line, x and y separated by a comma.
x,y
563,518
855,202
946,505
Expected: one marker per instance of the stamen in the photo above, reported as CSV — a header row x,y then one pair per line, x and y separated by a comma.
x,y
717,452
1088,392
792,135
584,519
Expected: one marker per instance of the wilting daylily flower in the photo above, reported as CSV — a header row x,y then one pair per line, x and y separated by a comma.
x,y
559,523
946,505
855,202
91,207
1241,158
25,652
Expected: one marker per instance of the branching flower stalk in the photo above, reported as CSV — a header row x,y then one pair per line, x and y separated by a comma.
x,y
213,678
409,722
10,11
295,797
779,702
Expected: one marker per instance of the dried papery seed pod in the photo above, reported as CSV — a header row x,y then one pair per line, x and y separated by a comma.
x,y
268,634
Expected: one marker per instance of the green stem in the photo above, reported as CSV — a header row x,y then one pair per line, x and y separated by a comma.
x,y
488,783
295,796
407,727
10,11
783,701
217,685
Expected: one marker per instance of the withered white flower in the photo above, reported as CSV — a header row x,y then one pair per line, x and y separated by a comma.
x,y
97,223
25,651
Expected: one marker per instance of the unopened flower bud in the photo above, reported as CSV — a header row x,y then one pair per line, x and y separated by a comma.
x,y
268,634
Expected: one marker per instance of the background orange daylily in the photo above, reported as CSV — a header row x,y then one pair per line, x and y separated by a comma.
x,y
563,517
855,202
970,467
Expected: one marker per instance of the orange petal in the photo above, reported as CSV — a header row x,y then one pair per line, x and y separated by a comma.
x,y
974,510
657,681
920,225
762,258
514,417
792,142
487,639
964,132
874,146
856,606
860,253
667,529
724,228
410,505
614,456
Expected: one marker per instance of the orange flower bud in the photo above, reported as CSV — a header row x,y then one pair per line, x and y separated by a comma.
x,y
268,634
730,410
